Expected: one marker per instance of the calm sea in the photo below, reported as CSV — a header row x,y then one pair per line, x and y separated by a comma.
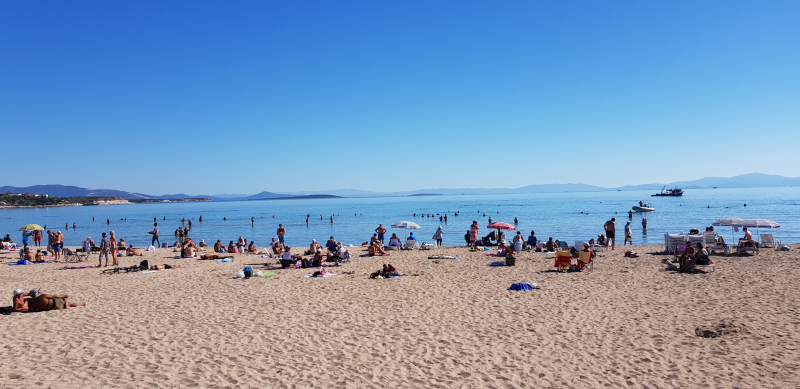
x,y
566,216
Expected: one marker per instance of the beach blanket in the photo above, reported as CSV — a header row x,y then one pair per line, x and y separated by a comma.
x,y
325,276
25,262
496,264
148,271
224,260
523,286
443,257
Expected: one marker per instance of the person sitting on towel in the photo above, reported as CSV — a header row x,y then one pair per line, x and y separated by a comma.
x,y
39,257
313,247
218,247
122,244
131,252
700,255
318,259
231,247
203,243
251,248
532,240
550,245
502,250
331,245
375,249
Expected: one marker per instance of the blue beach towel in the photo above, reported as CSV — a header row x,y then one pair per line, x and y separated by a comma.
x,y
521,286
496,264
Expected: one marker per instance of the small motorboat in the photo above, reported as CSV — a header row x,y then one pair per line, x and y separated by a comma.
x,y
643,207
669,192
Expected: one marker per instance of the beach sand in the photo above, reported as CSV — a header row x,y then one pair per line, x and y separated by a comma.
x,y
445,323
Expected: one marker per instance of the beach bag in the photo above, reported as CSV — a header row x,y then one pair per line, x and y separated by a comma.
x,y
144,265
248,272
305,263
151,248
783,248
240,274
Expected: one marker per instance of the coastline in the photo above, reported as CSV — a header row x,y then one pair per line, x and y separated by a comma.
x,y
450,323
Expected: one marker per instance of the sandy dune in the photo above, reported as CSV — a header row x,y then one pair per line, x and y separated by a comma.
x,y
446,323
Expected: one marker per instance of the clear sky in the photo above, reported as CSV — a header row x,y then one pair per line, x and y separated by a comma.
x,y
241,97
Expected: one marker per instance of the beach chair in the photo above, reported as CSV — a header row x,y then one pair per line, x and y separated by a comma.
x,y
672,241
585,258
695,239
710,242
767,241
411,244
741,248
563,260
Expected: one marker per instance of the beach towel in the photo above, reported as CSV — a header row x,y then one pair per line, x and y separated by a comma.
x,y
443,257
224,260
496,264
25,262
523,286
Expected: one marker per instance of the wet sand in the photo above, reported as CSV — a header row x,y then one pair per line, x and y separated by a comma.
x,y
445,323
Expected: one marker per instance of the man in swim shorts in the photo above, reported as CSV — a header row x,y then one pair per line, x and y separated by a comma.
x,y
48,302
610,229
380,230
281,235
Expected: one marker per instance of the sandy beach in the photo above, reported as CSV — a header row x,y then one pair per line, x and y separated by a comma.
x,y
444,324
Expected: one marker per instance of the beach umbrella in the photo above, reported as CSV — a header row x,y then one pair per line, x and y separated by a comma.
x,y
501,226
406,225
732,222
759,223
31,227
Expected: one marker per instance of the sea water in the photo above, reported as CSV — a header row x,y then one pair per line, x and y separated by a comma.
x,y
564,216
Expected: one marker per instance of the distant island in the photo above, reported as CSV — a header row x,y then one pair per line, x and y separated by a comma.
x,y
425,194
317,196
149,201
28,200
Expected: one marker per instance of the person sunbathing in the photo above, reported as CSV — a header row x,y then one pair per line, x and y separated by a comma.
x,y
163,267
203,243
122,244
131,252
251,248
46,302
231,247
216,256
19,303
39,257
701,255
388,271
376,250
502,250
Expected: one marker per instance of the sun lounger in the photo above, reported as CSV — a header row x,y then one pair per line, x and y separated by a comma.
x,y
710,242
767,241
671,241
743,248
411,244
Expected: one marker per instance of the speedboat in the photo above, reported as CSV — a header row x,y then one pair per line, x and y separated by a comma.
x,y
670,192
643,207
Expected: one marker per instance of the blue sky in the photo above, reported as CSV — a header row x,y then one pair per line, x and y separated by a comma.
x,y
242,97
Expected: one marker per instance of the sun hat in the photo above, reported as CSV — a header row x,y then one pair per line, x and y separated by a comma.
x,y
18,291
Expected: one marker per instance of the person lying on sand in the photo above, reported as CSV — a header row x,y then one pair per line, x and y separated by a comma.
x,y
386,271
131,252
46,302
164,267
19,303
216,256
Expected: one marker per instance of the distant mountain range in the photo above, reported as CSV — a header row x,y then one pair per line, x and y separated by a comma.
x,y
752,180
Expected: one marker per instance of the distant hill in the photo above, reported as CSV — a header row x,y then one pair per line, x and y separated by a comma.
x,y
751,180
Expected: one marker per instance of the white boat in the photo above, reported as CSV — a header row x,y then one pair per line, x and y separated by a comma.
x,y
643,207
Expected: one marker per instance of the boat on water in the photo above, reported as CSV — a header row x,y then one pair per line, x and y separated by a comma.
x,y
643,207
669,192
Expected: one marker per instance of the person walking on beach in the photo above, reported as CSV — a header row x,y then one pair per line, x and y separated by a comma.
x,y
438,235
610,230
156,233
105,248
473,232
112,247
282,235
380,231
628,238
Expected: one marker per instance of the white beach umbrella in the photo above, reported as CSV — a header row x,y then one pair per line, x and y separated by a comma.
x,y
759,223
406,225
729,222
